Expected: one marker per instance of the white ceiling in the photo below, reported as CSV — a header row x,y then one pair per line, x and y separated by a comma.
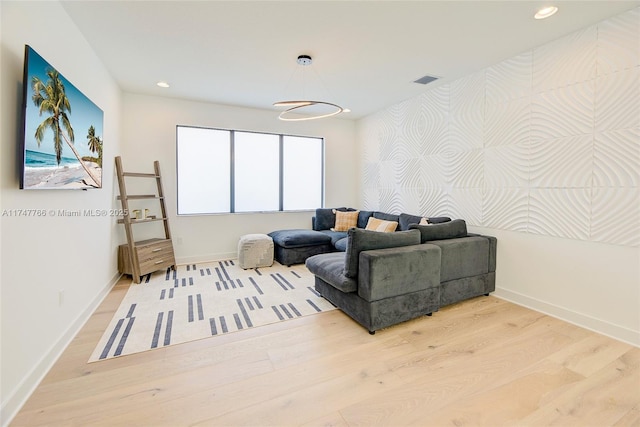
x,y
366,53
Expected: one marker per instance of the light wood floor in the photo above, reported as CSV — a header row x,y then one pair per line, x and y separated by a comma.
x,y
481,362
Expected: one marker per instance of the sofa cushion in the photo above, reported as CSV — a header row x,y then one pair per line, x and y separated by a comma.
x,y
386,216
345,220
363,240
329,267
405,219
363,218
335,235
446,230
375,224
463,257
296,238
438,219
341,244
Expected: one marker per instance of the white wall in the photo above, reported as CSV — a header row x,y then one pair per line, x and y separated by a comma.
x,y
149,128
45,255
541,150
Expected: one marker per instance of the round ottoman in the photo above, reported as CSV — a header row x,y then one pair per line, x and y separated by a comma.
x,y
255,250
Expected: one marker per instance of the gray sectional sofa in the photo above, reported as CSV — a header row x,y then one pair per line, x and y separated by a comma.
x,y
382,279
294,246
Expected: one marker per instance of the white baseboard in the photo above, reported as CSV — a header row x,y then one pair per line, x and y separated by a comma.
x,y
18,398
206,258
617,332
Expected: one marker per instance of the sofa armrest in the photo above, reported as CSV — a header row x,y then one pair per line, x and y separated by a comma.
x,y
493,246
493,249
390,272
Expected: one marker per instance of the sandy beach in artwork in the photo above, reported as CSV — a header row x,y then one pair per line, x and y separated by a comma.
x,y
71,176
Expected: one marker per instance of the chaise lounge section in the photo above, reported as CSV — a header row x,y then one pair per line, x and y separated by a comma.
x,y
294,246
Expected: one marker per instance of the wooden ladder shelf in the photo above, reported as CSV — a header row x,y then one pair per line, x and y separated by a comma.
x,y
141,257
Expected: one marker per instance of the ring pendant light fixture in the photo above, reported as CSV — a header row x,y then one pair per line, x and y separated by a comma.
x,y
309,109
545,12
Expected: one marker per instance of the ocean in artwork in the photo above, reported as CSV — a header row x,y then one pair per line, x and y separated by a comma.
x,y
42,171
37,159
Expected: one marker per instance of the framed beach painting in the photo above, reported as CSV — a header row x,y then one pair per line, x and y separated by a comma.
x,y
62,131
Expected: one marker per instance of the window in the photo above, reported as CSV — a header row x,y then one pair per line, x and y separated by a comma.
x,y
223,171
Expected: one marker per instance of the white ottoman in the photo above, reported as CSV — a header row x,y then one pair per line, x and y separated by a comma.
x,y
255,250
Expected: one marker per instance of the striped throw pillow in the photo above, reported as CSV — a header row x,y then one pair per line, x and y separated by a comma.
x,y
375,224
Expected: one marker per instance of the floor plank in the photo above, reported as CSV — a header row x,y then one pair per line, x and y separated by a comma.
x,y
484,361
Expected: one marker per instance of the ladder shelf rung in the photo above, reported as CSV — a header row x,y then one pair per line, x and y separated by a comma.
x,y
140,175
137,221
141,196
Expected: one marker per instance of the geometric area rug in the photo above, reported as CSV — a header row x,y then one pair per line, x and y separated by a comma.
x,y
197,301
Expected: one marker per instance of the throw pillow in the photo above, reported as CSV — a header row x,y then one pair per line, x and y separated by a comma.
x,y
325,218
386,216
424,221
363,218
345,220
363,240
405,219
375,224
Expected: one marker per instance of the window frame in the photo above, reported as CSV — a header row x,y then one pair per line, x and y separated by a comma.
x,y
232,171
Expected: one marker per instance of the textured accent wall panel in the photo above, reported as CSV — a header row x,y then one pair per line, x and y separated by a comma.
x,y
466,203
465,169
466,121
510,79
565,111
370,175
390,200
434,107
506,208
409,199
617,158
418,120
409,174
562,163
508,123
388,132
368,131
402,150
546,142
433,202
560,212
433,170
371,199
616,100
507,166
619,43
387,174
616,216
566,61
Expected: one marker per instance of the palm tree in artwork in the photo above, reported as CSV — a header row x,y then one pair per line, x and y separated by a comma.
x,y
95,143
50,98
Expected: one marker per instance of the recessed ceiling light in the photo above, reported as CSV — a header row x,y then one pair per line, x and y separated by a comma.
x,y
163,84
545,12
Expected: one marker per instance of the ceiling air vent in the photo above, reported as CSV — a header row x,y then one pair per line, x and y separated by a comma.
x,y
426,79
